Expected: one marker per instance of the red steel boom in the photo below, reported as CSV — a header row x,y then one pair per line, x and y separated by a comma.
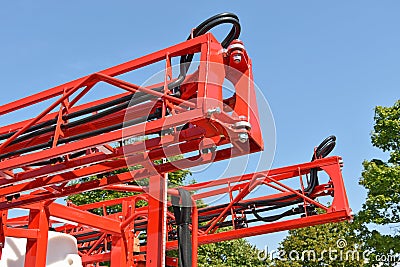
x,y
147,132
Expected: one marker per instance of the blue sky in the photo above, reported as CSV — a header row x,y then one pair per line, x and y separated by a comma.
x,y
322,65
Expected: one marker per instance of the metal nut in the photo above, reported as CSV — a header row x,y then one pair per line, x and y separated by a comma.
x,y
242,125
237,58
211,111
243,137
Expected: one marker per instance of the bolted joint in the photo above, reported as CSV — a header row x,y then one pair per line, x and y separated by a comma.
x,y
341,163
243,137
237,58
242,125
208,150
235,50
212,111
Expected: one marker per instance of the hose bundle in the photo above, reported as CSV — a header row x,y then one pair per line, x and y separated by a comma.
x,y
182,215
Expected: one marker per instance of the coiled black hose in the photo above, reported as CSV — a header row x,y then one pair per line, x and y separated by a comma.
x,y
321,151
203,28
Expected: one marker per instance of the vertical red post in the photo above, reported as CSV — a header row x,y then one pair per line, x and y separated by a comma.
x,y
340,200
156,229
119,248
3,225
36,248
128,208
195,229
118,252
211,77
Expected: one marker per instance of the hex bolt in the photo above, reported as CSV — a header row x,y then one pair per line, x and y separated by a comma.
x,y
243,137
237,58
211,111
341,163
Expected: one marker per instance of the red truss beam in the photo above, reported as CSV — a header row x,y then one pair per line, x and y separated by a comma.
x,y
26,148
156,129
95,232
41,156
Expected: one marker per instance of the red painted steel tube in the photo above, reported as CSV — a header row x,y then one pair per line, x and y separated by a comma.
x,y
36,248
195,230
82,217
156,231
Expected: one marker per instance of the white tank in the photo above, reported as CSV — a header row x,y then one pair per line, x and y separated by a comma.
x,y
62,251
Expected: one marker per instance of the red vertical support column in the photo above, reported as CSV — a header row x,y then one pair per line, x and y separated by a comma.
x,y
118,252
340,201
119,247
128,208
211,77
36,248
156,227
195,230
3,225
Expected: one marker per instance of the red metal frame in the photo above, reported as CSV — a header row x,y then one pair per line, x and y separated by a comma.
x,y
37,167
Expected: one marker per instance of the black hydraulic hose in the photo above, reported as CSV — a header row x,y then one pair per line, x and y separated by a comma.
x,y
84,120
258,218
24,150
80,136
95,116
88,240
244,210
95,132
325,148
109,245
32,131
88,110
72,115
138,97
77,236
216,20
182,218
322,151
294,211
203,28
58,159
109,128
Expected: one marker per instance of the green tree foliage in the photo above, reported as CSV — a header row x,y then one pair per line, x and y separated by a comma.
x,y
382,181
230,253
329,244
